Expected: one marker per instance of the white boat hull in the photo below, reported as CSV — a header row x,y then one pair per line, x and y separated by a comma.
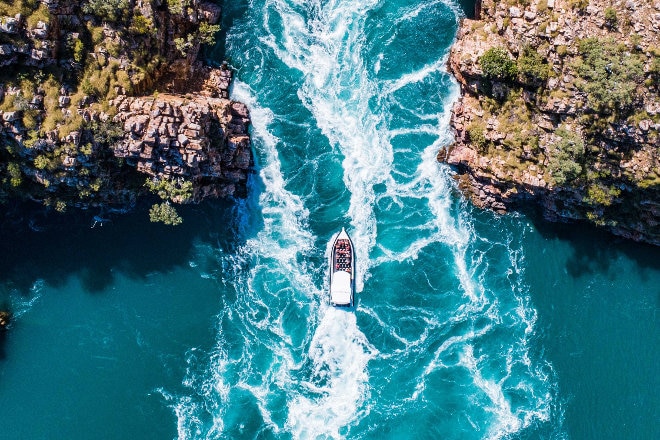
x,y
342,271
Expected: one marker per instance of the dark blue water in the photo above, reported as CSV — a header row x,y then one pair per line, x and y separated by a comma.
x,y
468,325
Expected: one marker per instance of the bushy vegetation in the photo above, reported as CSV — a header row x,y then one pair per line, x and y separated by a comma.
x,y
600,195
205,34
165,213
477,135
177,190
177,7
566,158
15,175
141,25
109,10
601,90
12,7
608,74
532,67
497,64
611,19
580,5
654,72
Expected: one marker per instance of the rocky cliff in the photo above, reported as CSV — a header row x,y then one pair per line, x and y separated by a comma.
x,y
199,139
560,108
104,100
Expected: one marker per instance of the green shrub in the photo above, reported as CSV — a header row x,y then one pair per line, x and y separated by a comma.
x,y
608,74
183,45
654,70
141,25
114,49
78,51
96,185
177,7
30,118
207,32
532,66
610,18
70,124
599,195
497,64
165,213
106,133
542,6
477,135
13,7
8,103
41,162
566,156
15,175
60,206
204,35
96,33
170,189
580,5
110,10
41,14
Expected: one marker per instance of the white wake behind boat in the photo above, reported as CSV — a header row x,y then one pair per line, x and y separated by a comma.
x,y
342,271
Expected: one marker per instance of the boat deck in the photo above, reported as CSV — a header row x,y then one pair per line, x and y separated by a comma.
x,y
343,255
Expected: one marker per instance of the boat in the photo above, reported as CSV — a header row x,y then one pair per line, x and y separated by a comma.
x,y
342,271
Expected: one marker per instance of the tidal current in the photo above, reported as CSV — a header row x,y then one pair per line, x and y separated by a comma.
x,y
468,325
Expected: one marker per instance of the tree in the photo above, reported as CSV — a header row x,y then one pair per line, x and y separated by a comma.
x,y
207,32
178,191
476,133
177,7
608,75
611,19
165,213
497,64
566,156
110,10
532,66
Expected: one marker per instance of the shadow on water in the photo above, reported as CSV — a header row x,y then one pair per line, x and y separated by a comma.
x,y
470,7
51,247
3,342
594,250
217,53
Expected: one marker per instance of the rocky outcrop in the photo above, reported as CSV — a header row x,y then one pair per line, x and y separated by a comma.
x,y
202,139
560,108
5,319
123,95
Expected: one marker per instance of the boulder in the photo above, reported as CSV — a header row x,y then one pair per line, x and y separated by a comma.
x,y
515,12
11,116
5,319
9,25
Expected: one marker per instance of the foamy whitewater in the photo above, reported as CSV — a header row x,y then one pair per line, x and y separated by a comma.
x,y
350,103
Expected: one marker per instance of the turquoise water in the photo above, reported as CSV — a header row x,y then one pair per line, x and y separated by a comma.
x,y
467,326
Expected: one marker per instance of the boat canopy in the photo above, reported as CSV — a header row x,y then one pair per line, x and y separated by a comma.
x,y
340,289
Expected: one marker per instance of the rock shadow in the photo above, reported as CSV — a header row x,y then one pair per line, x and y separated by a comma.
x,y
216,54
594,250
52,247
